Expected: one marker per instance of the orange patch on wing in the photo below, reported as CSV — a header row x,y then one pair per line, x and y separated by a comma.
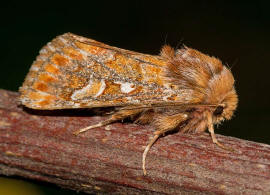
x,y
51,69
35,96
47,99
44,102
121,59
136,69
112,88
153,70
125,65
95,88
59,60
41,86
90,48
153,74
46,78
116,65
73,53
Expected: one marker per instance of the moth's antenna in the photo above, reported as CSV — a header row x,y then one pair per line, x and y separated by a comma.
x,y
234,63
166,36
180,42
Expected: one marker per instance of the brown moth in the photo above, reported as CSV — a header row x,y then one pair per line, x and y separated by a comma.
x,y
178,89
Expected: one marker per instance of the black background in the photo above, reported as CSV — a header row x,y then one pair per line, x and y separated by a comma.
x,y
237,32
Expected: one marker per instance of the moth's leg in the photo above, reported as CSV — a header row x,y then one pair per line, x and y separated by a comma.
x,y
163,124
147,148
122,114
213,135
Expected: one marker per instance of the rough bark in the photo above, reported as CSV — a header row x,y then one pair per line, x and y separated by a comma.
x,y
40,146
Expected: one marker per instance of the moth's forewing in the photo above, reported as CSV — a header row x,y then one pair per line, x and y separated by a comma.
x,y
76,72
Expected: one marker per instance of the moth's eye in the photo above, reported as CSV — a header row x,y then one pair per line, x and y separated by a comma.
x,y
218,110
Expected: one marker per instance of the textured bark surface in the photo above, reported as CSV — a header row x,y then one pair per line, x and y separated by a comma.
x,y
40,146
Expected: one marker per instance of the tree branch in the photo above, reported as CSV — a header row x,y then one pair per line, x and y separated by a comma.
x,y
40,145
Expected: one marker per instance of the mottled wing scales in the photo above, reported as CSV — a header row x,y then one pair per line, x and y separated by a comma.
x,y
75,72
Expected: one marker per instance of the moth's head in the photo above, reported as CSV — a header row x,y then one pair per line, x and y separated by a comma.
x,y
203,80
221,92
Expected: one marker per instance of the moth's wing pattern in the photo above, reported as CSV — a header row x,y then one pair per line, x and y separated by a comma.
x,y
76,72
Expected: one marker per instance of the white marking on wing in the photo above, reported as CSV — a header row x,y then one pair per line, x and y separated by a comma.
x,y
101,89
126,87
81,92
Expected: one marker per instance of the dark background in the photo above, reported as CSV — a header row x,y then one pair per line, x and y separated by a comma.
x,y
236,32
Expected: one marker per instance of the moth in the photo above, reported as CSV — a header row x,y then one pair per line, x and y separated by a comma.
x,y
181,89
